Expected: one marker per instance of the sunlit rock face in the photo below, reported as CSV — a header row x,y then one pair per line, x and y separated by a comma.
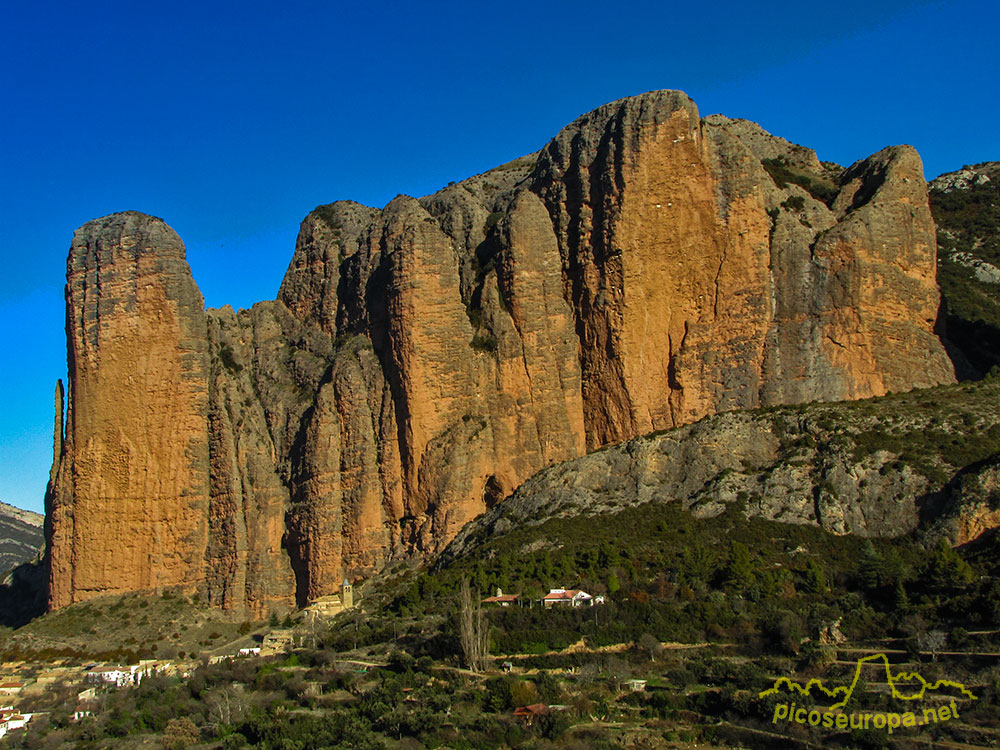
x,y
648,267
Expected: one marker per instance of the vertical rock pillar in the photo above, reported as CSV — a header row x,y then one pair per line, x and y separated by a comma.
x,y
128,500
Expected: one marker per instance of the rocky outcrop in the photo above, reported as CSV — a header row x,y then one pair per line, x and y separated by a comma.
x,y
645,269
878,467
966,178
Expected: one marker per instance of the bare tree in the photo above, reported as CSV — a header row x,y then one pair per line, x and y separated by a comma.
x,y
651,645
473,631
932,641
226,704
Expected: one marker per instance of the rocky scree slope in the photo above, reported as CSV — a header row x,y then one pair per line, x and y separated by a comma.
x,y
926,460
647,268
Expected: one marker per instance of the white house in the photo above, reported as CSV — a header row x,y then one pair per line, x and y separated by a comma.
x,y
17,721
119,676
11,720
567,597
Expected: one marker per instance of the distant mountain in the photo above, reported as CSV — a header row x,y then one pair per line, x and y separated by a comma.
x,y
966,209
21,537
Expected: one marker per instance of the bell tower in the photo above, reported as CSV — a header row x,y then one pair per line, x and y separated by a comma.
x,y
347,594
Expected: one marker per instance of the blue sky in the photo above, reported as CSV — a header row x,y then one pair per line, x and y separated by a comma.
x,y
232,120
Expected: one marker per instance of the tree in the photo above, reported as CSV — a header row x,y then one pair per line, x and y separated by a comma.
x,y
932,641
226,704
613,583
815,578
180,733
651,645
473,630
739,572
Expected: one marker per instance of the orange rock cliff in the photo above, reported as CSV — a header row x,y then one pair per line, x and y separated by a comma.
x,y
648,267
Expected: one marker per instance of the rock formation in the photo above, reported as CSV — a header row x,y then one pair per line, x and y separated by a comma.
x,y
927,461
128,502
645,269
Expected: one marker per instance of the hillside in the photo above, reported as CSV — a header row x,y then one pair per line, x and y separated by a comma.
x,y
880,467
21,537
966,208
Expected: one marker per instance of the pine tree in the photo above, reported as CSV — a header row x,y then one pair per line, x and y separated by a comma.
x,y
613,584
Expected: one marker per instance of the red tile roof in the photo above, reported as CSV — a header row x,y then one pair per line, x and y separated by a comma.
x,y
560,595
535,709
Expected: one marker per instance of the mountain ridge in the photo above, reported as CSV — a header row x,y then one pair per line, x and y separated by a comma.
x,y
647,268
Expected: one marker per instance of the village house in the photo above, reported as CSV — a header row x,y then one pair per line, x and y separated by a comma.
x,y
121,676
567,598
501,599
11,719
11,688
528,715
277,642
86,700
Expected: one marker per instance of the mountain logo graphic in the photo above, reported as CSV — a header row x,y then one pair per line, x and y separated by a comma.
x,y
844,692
903,685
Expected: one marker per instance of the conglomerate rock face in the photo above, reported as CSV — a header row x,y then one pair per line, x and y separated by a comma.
x,y
644,270
128,502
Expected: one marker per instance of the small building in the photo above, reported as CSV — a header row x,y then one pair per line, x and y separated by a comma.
x,y
11,688
17,721
86,700
11,719
331,605
567,598
255,651
636,686
528,715
501,599
276,642
120,676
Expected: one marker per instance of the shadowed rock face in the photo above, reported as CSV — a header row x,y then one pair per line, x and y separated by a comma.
x,y
422,361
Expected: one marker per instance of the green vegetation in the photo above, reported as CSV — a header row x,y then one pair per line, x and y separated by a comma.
x,y
484,342
328,214
937,432
759,592
970,217
821,187
228,359
968,222
123,628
